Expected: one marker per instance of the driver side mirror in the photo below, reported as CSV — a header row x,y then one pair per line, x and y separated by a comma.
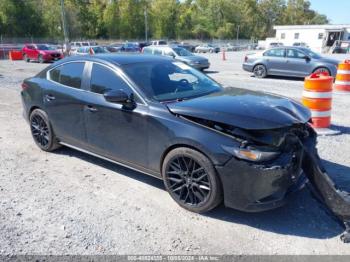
x,y
118,97
307,58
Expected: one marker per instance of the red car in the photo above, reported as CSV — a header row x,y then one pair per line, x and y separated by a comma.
x,y
41,53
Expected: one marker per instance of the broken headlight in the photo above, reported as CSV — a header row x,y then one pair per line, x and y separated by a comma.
x,y
252,154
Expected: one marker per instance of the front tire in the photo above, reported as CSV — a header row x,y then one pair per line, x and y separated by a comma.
x,y
42,131
260,71
191,180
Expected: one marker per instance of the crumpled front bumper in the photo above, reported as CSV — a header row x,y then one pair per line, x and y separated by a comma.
x,y
251,187
258,187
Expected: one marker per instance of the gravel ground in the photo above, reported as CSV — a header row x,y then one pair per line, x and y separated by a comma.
x,y
70,203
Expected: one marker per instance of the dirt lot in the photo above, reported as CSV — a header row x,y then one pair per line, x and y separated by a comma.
x,y
70,203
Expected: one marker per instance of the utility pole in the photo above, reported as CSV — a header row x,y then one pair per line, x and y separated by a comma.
x,y
146,24
237,35
64,23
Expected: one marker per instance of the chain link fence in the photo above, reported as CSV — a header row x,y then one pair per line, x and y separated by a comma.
x,y
16,43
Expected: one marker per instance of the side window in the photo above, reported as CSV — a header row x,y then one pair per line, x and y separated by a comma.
x,y
283,35
69,74
296,36
277,52
292,53
104,79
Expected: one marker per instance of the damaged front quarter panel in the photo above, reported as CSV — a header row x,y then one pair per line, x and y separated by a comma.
x,y
260,186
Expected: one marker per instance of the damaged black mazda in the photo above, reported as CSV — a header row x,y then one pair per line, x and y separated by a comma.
x,y
249,150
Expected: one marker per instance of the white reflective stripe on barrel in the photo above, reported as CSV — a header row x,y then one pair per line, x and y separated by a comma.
x,y
320,113
342,83
309,94
343,72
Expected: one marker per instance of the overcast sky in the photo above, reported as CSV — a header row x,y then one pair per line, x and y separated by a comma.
x,y
338,11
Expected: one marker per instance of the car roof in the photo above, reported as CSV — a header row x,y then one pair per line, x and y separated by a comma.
x,y
119,59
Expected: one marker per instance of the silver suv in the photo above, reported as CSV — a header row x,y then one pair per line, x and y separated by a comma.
x,y
180,54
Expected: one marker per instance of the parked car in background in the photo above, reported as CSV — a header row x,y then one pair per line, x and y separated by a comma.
x,y
132,47
207,48
179,54
91,50
41,53
289,61
188,47
114,48
230,47
75,45
159,42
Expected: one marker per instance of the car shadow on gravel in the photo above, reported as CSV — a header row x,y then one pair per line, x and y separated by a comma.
x,y
120,170
210,72
342,129
302,216
289,78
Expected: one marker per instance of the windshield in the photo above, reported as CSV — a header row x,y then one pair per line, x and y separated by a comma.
x,y
168,80
182,52
45,47
85,44
311,53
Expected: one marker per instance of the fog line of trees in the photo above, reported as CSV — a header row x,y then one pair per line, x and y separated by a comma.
x,y
170,19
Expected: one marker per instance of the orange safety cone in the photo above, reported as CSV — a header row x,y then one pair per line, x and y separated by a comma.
x,y
223,55
317,96
342,81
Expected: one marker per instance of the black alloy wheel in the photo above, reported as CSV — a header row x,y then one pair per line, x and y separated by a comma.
x,y
191,180
42,132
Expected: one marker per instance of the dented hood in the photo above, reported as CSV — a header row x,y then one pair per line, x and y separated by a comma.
x,y
244,109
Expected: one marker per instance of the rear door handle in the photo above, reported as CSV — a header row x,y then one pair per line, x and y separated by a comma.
x,y
49,97
91,108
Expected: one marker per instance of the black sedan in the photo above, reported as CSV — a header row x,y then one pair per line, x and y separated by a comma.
x,y
168,120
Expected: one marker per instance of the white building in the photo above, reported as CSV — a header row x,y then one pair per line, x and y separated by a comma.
x,y
319,38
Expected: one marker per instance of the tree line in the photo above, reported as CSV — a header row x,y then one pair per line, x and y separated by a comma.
x,y
170,19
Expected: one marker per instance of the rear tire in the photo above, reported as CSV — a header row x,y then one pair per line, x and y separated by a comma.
x,y
260,71
191,180
42,131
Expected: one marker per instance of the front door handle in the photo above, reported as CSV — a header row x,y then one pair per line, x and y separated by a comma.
x,y
49,97
91,108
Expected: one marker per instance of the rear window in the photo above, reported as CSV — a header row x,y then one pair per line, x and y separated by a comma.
x,y
68,74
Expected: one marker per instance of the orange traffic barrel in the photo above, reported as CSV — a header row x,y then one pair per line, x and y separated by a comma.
x,y
342,81
317,96
15,55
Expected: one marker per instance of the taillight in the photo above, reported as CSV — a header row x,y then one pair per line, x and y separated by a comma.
x,y
245,58
24,86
